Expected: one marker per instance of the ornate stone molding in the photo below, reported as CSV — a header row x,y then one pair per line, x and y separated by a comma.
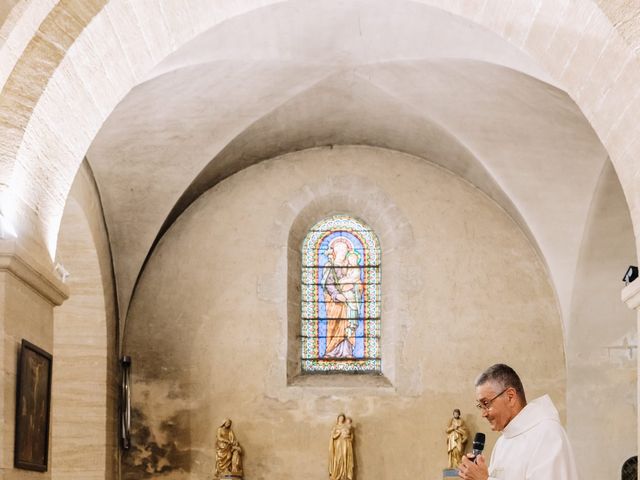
x,y
38,276
631,295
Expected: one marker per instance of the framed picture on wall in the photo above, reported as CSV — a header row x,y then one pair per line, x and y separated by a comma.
x,y
33,405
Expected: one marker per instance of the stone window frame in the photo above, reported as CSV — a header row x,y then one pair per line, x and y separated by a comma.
x,y
369,203
370,248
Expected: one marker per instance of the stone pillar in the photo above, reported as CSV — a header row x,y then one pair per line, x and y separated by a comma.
x,y
29,291
631,296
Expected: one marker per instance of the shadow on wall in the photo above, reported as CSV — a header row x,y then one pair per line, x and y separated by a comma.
x,y
158,454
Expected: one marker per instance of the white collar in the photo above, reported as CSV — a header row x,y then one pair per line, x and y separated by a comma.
x,y
532,414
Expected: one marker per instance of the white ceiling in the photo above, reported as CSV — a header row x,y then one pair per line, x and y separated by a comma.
x,y
392,74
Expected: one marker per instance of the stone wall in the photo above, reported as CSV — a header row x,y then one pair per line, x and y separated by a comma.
x,y
602,340
85,380
209,327
29,291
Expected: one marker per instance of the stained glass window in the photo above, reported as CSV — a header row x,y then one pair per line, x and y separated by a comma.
x,y
341,297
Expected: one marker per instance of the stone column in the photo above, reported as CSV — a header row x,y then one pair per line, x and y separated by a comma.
x,y
631,296
29,291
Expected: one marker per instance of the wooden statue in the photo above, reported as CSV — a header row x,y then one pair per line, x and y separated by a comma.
x,y
228,453
457,435
341,458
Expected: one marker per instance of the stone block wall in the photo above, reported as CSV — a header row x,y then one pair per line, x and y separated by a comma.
x,y
212,326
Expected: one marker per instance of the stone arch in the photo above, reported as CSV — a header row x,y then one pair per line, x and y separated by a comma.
x,y
40,152
579,48
181,371
84,338
358,197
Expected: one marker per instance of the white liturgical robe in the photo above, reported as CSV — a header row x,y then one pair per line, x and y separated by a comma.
x,y
533,446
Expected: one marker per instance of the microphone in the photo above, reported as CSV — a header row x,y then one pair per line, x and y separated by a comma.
x,y
478,445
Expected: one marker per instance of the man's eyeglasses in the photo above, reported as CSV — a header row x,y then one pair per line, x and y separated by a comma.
x,y
486,405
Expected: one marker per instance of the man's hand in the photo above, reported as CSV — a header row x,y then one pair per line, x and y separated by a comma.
x,y
473,471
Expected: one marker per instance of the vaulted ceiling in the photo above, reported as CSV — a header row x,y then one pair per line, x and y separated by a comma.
x,y
391,74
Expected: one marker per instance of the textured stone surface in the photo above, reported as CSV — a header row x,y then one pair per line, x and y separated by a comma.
x,y
178,24
24,314
602,340
625,17
252,95
84,427
463,288
5,9
81,59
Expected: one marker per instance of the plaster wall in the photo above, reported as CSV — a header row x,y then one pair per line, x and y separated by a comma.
x,y
211,327
602,340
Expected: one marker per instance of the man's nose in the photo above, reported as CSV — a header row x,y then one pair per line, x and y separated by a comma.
x,y
485,413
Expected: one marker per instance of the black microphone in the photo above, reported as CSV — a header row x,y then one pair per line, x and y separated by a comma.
x,y
478,445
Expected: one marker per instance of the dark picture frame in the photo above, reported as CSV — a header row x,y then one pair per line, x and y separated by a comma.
x,y
33,408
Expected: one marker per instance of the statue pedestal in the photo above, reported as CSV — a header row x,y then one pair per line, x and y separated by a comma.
x,y
450,473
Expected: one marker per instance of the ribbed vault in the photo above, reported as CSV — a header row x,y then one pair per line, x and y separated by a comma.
x,y
423,82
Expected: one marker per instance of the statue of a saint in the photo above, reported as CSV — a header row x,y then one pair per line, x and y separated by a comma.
x,y
457,434
228,453
341,459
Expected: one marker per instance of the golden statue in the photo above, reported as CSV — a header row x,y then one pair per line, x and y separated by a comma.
x,y
228,453
457,434
341,459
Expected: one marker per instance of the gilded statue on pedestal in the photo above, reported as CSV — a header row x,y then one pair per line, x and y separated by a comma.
x,y
228,453
457,434
341,458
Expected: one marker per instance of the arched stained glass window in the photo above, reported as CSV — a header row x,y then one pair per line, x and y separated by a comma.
x,y
341,297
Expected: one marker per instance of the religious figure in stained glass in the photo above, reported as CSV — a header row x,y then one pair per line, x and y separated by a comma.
x,y
340,290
